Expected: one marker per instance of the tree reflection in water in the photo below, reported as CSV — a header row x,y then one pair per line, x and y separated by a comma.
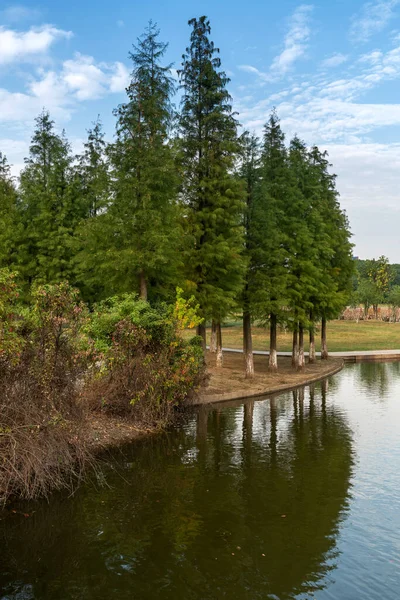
x,y
243,502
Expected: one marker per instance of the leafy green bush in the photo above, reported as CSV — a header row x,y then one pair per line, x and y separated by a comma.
x,y
157,321
147,369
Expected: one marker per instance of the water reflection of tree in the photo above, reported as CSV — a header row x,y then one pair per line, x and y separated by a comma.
x,y
376,377
246,505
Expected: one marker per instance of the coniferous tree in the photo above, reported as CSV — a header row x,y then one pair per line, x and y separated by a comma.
x,y
249,171
10,223
269,256
335,251
92,180
49,206
212,196
94,173
302,246
136,242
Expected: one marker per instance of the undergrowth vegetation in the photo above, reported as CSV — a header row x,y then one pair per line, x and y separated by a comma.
x,y
59,362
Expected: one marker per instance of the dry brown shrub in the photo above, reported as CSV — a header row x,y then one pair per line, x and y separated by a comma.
x,y
43,437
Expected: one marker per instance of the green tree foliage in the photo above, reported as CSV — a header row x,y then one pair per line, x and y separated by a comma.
x,y
302,223
333,245
380,273
93,172
268,252
235,222
50,209
93,182
375,278
368,294
249,172
10,223
394,300
212,196
135,244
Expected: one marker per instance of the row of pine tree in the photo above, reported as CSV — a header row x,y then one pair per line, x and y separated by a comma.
x,y
180,198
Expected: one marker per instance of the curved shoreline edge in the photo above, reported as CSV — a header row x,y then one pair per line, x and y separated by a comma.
x,y
205,399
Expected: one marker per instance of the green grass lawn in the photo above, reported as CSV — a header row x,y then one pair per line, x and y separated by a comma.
x,y
342,336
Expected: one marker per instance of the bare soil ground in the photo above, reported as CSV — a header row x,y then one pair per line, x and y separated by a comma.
x,y
107,431
230,380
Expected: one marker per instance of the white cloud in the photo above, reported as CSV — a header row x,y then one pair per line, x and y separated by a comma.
x,y
325,109
84,78
120,79
334,61
80,79
295,47
373,18
368,182
17,13
255,71
296,40
23,45
15,151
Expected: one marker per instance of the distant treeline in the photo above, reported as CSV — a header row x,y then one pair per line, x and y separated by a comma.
x,y
179,198
376,282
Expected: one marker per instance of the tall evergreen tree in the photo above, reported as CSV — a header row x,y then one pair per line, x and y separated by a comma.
x,y
303,264
9,216
50,208
94,173
93,183
335,252
212,196
136,242
269,236
249,171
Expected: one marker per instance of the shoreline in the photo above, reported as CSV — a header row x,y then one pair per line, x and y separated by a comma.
x,y
107,432
231,377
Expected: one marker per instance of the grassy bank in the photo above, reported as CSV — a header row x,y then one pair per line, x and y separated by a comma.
x,y
342,336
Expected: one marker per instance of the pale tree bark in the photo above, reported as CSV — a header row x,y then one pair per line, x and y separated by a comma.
x,y
311,353
201,331
248,345
324,346
273,357
301,362
213,339
219,357
295,349
142,286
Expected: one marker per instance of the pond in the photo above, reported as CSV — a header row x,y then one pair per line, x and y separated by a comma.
x,y
294,496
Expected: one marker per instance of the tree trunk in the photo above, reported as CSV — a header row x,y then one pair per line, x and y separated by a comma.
x,y
142,286
301,362
219,358
376,311
311,355
213,340
295,349
324,346
273,357
248,345
201,331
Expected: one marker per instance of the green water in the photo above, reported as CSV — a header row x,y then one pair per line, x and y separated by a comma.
x,y
296,496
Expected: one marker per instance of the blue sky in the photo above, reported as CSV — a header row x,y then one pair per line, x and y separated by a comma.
x,y
332,69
